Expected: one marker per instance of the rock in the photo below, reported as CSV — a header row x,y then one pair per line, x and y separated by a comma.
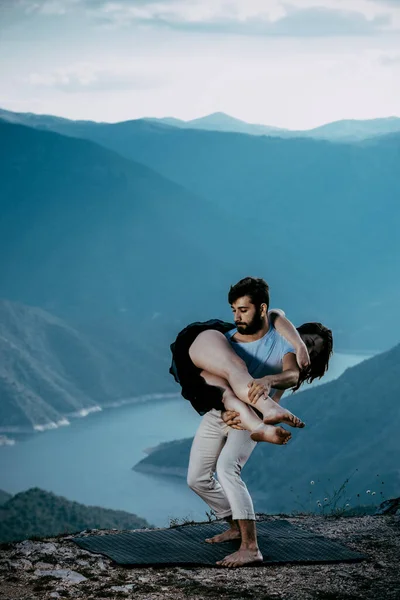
x,y
122,588
43,565
26,567
389,507
101,565
65,574
83,563
22,563
5,564
28,547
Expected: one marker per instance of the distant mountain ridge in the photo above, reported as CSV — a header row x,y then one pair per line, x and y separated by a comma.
x,y
37,512
220,122
340,192
4,497
97,241
128,243
109,205
349,130
49,371
351,432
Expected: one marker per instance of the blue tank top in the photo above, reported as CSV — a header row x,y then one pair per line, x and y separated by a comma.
x,y
263,356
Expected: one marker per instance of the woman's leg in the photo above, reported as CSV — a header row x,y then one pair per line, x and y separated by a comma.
x,y
260,432
212,352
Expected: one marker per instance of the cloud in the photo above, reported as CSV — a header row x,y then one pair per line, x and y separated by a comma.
x,y
86,77
296,18
48,7
255,19
327,22
389,60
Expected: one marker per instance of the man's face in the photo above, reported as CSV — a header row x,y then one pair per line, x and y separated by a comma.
x,y
248,319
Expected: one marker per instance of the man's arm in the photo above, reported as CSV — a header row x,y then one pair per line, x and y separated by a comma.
x,y
287,330
289,376
281,381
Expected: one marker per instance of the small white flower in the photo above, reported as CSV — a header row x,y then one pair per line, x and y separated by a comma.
x,y
373,493
325,499
368,492
312,482
347,504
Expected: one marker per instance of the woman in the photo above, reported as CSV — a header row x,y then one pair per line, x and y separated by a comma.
x,y
212,375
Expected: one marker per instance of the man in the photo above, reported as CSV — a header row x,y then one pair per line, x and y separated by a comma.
x,y
219,448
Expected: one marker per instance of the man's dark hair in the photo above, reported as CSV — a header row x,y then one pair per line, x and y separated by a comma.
x,y
254,287
319,364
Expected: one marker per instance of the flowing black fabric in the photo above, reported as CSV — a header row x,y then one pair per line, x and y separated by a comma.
x,y
202,396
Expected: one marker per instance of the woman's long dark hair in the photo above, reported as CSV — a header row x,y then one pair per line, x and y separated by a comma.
x,y
319,364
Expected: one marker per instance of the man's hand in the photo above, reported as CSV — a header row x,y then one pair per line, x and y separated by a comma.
x,y
258,388
231,418
302,356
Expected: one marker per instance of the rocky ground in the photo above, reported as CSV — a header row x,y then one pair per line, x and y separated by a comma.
x,y
58,568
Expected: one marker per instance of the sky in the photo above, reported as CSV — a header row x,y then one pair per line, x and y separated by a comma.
x,y
295,64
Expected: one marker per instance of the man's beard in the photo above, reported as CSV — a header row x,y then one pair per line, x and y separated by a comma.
x,y
253,327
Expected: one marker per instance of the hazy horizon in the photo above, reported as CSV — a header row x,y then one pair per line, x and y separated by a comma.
x,y
296,66
198,117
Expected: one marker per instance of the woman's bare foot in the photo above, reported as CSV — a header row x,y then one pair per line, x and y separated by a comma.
x,y
268,433
273,413
242,557
231,534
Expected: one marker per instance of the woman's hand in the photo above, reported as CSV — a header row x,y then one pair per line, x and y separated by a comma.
x,y
302,356
232,418
258,388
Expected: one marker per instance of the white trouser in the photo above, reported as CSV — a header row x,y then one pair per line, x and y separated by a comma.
x,y
221,449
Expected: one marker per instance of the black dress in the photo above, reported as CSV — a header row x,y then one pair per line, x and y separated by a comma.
x,y
202,396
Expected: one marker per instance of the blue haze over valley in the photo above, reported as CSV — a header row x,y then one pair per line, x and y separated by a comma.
x,y
118,229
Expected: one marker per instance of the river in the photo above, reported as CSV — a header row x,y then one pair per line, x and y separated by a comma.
x,y
91,460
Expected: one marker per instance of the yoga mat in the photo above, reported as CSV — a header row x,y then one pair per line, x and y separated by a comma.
x,y
279,541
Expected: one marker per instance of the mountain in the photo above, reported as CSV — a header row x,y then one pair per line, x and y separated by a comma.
x,y
40,121
222,122
311,217
351,432
355,129
345,130
88,234
168,458
37,512
50,371
114,250
4,497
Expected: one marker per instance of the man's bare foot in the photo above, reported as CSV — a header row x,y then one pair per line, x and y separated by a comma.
x,y
242,557
273,413
231,534
268,433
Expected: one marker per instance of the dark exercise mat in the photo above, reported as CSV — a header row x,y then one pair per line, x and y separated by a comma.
x,y
279,541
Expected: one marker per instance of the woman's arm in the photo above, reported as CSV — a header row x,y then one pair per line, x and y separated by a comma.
x,y
287,330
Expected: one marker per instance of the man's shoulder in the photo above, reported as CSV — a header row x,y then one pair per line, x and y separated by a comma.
x,y
281,342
